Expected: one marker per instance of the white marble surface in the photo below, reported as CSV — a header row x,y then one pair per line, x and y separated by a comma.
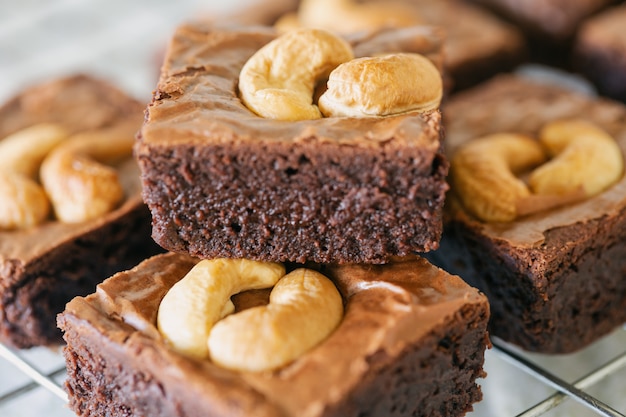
x,y
121,41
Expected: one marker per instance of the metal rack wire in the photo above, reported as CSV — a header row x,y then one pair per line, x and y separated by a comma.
x,y
564,390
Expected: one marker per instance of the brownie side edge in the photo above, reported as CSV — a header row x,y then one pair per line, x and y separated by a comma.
x,y
558,300
39,290
295,202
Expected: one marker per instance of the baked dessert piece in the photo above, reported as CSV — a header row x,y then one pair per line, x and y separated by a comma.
x,y
555,279
44,266
221,181
599,52
411,342
554,21
478,44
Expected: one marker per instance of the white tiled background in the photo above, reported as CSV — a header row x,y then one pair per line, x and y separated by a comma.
x,y
121,40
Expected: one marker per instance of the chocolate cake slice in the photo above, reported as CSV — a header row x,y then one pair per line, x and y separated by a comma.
x,y
411,343
221,181
555,279
45,266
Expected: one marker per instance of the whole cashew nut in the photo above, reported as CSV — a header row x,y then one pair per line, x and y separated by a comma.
x,y
348,16
278,81
190,308
23,202
583,157
304,308
585,161
79,184
483,174
382,86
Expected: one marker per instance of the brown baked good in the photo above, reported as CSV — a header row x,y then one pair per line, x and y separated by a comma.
x,y
43,267
555,279
411,343
221,181
600,51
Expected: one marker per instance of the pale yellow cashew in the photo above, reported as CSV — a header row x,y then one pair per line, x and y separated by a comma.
x,y
382,86
278,81
190,308
79,184
304,308
23,202
483,172
585,158
348,16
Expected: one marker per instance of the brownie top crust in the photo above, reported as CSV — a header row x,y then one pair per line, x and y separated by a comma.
x,y
196,101
387,308
80,104
511,103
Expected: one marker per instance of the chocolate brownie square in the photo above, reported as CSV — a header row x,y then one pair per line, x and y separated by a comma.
x,y
555,278
44,266
411,343
599,52
221,181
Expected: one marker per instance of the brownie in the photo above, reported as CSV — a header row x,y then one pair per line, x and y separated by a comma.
x,y
553,21
555,279
600,52
221,181
43,267
411,343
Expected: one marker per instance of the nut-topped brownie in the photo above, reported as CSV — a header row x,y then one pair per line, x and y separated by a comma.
x,y
411,342
599,51
551,263
53,246
222,181
477,46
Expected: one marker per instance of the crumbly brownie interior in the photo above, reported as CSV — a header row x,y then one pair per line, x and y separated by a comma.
x,y
296,202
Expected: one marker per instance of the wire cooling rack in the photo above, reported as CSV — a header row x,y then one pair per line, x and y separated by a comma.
x,y
50,381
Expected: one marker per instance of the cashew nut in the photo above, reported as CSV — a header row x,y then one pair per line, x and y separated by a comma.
x,y
483,174
348,16
278,81
584,157
78,183
190,308
23,202
304,308
585,161
382,86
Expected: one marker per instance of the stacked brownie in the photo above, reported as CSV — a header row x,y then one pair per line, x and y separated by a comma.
x,y
352,198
